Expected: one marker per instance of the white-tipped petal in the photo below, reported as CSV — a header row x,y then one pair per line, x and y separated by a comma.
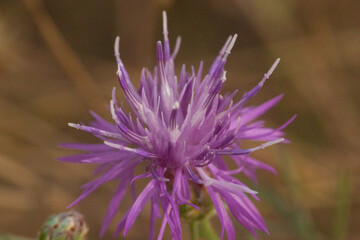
x,y
230,46
271,70
165,25
74,125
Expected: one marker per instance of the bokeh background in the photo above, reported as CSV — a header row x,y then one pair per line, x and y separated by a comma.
x,y
56,62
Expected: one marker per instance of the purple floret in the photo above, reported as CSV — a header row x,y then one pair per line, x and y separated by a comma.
x,y
181,127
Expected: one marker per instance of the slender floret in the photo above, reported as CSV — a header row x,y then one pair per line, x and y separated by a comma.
x,y
180,128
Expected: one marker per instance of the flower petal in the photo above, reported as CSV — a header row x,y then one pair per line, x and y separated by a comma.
x,y
150,189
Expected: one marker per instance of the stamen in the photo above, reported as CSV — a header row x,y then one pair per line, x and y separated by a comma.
x,y
230,46
166,38
116,49
224,185
159,52
246,151
133,150
257,88
119,72
96,131
177,47
165,28
173,115
271,70
217,62
216,90
222,51
223,78
267,144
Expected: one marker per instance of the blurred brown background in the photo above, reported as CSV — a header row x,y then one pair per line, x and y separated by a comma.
x,y
56,62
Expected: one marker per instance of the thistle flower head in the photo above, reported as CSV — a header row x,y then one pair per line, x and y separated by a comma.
x,y
63,226
181,127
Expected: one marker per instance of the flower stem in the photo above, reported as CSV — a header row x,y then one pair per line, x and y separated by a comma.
x,y
206,230
202,229
194,230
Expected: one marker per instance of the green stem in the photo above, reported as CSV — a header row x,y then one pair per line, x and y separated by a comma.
x,y
202,229
194,230
206,230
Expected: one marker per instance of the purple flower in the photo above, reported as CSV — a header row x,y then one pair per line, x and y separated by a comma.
x,y
180,127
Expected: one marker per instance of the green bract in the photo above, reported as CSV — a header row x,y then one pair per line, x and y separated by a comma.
x,y
64,226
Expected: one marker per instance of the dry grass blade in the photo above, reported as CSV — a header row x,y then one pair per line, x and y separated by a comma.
x,y
14,169
65,55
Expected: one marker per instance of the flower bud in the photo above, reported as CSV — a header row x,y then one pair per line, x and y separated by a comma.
x,y
64,226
